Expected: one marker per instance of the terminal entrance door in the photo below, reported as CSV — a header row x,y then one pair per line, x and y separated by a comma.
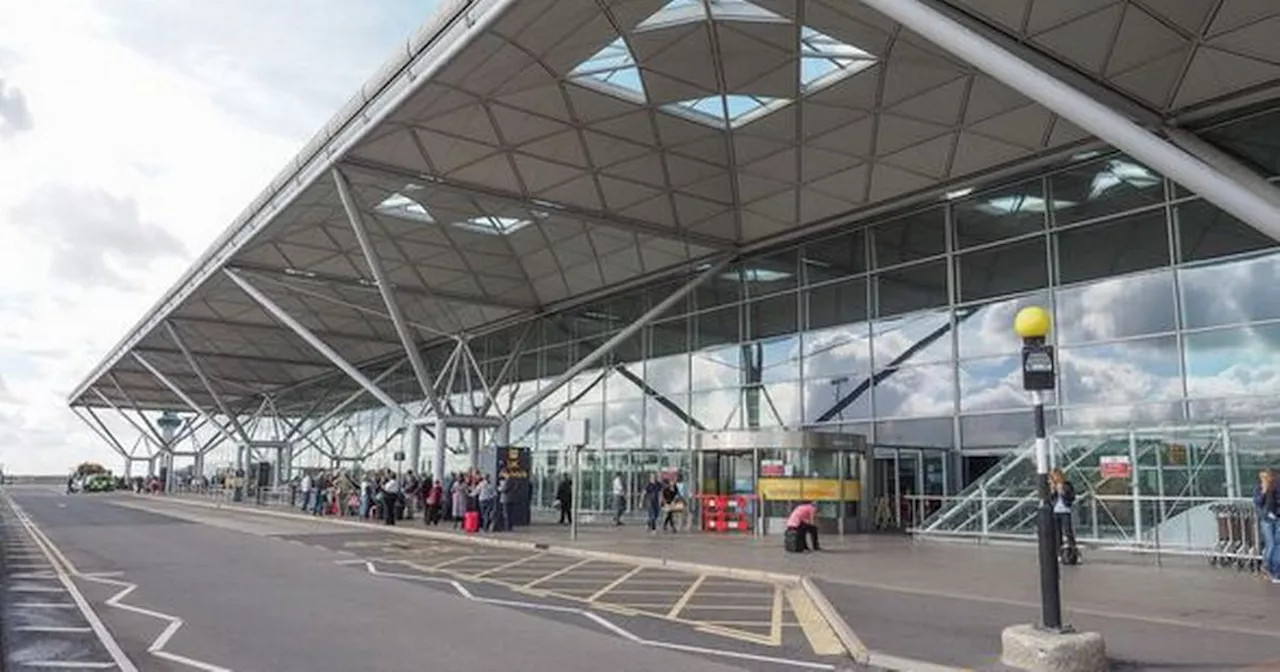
x,y
725,473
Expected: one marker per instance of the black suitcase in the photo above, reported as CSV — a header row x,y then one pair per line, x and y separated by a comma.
x,y
792,540
1069,556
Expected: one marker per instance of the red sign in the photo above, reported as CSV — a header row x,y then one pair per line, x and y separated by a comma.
x,y
1115,466
772,468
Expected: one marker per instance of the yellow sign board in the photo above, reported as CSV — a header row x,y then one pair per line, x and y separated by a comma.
x,y
807,489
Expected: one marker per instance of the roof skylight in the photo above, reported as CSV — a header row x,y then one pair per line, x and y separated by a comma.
x,y
680,12
824,60
492,225
728,111
399,205
612,70
821,60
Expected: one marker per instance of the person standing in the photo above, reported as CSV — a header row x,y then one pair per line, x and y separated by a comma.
x,y
308,491
672,504
1063,496
564,497
390,500
503,518
434,496
487,499
1266,497
619,498
653,502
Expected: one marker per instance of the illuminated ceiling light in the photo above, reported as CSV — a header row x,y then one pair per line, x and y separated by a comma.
x,y
958,193
825,60
403,207
491,225
612,70
757,275
1118,172
1009,205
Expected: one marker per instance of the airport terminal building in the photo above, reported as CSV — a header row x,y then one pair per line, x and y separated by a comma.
x,y
679,218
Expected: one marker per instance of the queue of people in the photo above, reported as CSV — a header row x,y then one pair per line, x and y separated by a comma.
x,y
391,497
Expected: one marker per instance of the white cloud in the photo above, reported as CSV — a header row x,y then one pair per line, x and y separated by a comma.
x,y
131,134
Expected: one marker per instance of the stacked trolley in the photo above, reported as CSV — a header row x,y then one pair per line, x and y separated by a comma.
x,y
1237,544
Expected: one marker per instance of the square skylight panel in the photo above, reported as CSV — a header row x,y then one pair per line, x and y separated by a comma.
x,y
681,12
729,111
401,206
492,225
612,70
824,60
821,60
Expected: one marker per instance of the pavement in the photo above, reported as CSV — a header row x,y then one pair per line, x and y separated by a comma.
x,y
915,602
181,587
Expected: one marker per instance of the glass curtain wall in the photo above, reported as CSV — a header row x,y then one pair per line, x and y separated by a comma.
x,y
1166,310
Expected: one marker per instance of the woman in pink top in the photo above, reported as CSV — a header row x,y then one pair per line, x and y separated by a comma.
x,y
802,520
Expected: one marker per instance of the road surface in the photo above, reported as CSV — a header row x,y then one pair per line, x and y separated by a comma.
x,y
175,587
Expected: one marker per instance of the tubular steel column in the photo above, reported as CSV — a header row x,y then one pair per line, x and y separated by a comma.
x,y
180,394
441,446
619,338
314,341
415,449
388,293
1114,128
204,380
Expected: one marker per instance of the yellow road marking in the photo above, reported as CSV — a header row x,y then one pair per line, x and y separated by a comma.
x,y
605,606
553,575
599,593
775,632
499,568
751,624
726,607
821,637
688,595
735,634
451,561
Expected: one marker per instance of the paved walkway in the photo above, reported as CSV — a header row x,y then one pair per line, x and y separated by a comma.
x,y
947,602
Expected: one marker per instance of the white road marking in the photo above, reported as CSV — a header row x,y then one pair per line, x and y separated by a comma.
x,y
602,622
67,665
157,647
51,554
51,628
43,605
37,589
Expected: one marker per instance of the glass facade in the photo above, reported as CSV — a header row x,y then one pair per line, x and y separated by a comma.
x,y
1166,310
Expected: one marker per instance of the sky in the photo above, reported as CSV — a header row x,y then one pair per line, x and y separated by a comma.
x,y
132,132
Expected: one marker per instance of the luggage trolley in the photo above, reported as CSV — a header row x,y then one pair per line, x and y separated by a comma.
x,y
1238,544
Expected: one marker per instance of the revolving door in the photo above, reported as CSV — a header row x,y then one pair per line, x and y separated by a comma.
x,y
773,470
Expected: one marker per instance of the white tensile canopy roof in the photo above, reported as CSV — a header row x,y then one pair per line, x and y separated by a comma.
x,y
518,157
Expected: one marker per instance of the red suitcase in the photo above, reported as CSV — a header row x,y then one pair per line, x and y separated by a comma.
x,y
471,522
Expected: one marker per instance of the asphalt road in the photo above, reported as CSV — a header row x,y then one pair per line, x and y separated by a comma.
x,y
952,630
226,591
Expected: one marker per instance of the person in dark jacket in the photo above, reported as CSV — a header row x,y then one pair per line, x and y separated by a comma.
x,y
653,502
1062,496
1266,498
564,496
